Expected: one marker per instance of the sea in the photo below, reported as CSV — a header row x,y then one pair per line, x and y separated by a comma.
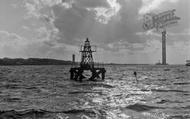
x,y
46,92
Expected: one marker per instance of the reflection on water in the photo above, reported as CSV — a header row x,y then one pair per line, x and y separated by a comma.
x,y
45,92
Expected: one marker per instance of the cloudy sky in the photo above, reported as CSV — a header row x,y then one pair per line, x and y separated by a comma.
x,y
57,28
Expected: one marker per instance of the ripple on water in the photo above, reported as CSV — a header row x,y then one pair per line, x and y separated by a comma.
x,y
168,101
141,108
160,90
36,114
12,99
93,85
179,117
84,92
182,83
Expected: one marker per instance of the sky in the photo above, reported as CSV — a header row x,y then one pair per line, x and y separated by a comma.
x,y
57,28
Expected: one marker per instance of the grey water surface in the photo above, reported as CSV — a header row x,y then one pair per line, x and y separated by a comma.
x,y
45,92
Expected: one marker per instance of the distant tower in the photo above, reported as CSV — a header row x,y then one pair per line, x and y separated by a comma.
x,y
164,47
86,56
73,58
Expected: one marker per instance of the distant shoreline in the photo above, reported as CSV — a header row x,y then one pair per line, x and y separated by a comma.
x,y
32,61
48,61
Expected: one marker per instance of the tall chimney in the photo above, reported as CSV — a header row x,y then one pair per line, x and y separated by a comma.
x,y
73,58
164,47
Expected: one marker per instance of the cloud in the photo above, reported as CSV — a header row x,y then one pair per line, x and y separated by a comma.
x,y
186,32
104,14
149,33
6,37
11,44
151,5
91,3
150,52
78,23
89,18
40,8
56,28
179,52
68,20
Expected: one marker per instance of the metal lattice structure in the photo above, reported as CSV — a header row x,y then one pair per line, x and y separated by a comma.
x,y
87,63
86,56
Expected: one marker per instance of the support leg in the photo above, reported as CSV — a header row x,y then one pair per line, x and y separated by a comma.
x,y
80,75
95,74
76,75
103,74
71,75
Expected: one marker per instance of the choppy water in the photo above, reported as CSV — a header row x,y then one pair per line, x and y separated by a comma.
x,y
45,92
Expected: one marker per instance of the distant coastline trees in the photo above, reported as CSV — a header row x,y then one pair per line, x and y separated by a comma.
x,y
33,61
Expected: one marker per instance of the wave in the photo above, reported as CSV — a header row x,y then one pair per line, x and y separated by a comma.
x,y
179,117
140,107
12,99
94,85
13,114
182,83
168,101
83,92
159,90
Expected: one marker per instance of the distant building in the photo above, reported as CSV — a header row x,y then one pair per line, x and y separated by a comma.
x,y
159,63
187,62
